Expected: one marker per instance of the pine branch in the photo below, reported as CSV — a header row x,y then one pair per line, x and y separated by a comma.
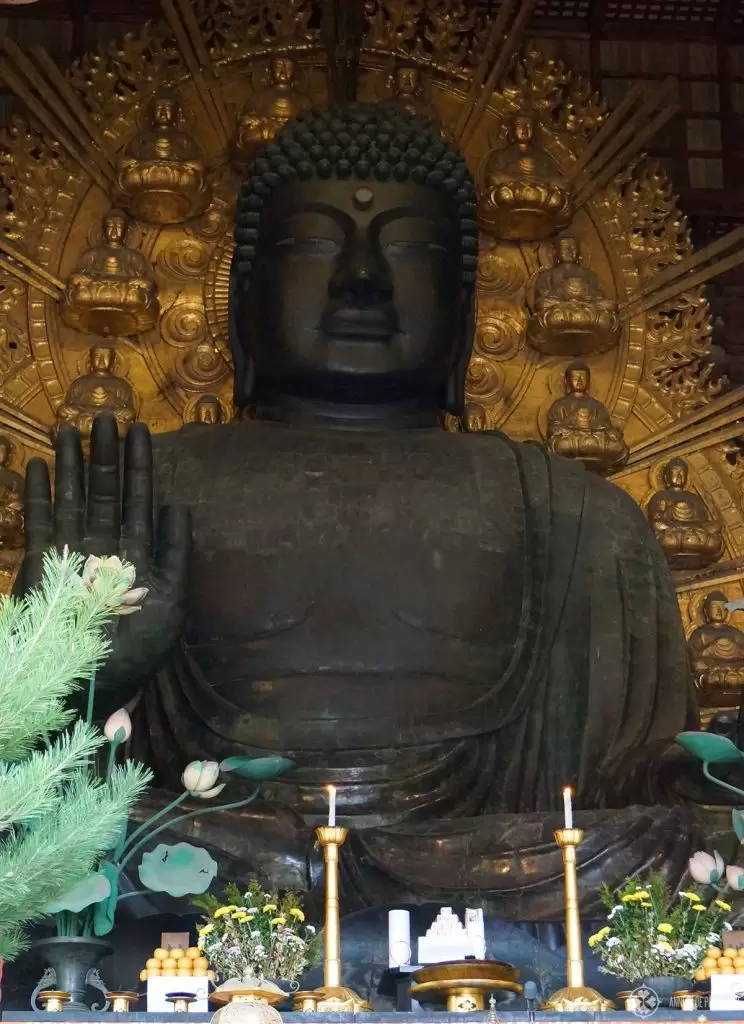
x,y
30,788
57,818
49,642
57,852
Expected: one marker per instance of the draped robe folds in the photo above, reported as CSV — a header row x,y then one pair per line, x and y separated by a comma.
x,y
451,627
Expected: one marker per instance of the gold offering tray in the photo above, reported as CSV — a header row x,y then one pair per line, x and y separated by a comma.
x,y
463,984
260,995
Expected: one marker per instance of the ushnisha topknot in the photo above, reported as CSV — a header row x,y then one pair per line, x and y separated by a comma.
x,y
364,141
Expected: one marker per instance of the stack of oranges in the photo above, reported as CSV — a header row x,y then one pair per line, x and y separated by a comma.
x,y
721,961
177,963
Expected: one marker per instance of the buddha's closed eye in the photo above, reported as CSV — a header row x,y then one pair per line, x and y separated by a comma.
x,y
320,245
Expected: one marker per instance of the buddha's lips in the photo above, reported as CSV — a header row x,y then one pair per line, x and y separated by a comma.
x,y
355,322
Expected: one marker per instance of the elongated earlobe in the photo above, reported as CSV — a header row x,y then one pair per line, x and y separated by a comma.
x,y
454,399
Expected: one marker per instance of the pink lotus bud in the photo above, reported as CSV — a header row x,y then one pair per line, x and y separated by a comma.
x,y
735,877
706,868
117,723
199,777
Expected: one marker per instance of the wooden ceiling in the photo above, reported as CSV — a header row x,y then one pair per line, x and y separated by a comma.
x,y
659,19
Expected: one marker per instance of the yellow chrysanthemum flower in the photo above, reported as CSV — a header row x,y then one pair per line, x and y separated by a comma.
x,y
692,896
667,929
269,907
206,930
646,904
629,897
241,918
643,895
296,912
221,911
699,907
598,936
278,920
723,905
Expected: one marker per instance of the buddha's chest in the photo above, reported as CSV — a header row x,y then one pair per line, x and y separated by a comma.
x,y
353,534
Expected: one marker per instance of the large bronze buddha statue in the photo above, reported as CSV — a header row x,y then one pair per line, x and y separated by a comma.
x,y
449,626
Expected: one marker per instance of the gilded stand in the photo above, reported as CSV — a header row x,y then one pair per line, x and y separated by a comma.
x,y
332,998
575,998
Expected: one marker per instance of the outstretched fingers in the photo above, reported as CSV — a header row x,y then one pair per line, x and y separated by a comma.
x,y
69,490
39,524
103,526
137,523
173,547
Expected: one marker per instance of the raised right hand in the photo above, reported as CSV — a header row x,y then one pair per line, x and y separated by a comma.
x,y
95,520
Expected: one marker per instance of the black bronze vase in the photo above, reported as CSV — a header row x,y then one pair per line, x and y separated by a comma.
x,y
71,965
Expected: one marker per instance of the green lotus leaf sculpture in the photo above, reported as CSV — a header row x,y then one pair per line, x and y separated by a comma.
x,y
707,746
91,890
257,769
180,870
105,911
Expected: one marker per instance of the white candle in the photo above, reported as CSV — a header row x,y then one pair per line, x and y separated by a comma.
x,y
332,806
399,938
567,808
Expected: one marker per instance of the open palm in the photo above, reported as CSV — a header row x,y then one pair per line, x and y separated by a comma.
x,y
112,514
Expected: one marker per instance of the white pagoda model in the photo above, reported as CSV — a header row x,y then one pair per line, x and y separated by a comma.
x,y
450,939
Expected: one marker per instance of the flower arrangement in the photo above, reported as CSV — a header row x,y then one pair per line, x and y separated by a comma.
x,y
257,934
651,933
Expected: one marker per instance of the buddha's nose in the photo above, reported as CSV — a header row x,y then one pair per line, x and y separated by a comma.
x,y
362,274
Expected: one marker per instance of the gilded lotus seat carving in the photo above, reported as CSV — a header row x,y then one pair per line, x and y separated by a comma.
x,y
687,533
162,177
524,195
716,653
112,289
580,427
571,316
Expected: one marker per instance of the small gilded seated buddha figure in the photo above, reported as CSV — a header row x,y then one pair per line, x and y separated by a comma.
x,y
208,411
571,315
689,536
112,289
263,116
162,177
408,91
11,515
580,427
716,652
98,390
525,196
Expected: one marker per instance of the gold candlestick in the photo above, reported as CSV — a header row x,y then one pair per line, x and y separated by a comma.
x,y
53,1000
576,997
120,1001
332,998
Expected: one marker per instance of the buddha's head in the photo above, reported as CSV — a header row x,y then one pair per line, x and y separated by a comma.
x,y
675,474
115,225
523,129
282,70
6,449
101,359
406,80
165,111
714,607
578,378
567,249
352,282
208,410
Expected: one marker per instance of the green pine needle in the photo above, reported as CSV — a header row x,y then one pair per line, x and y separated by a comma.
x,y
57,817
